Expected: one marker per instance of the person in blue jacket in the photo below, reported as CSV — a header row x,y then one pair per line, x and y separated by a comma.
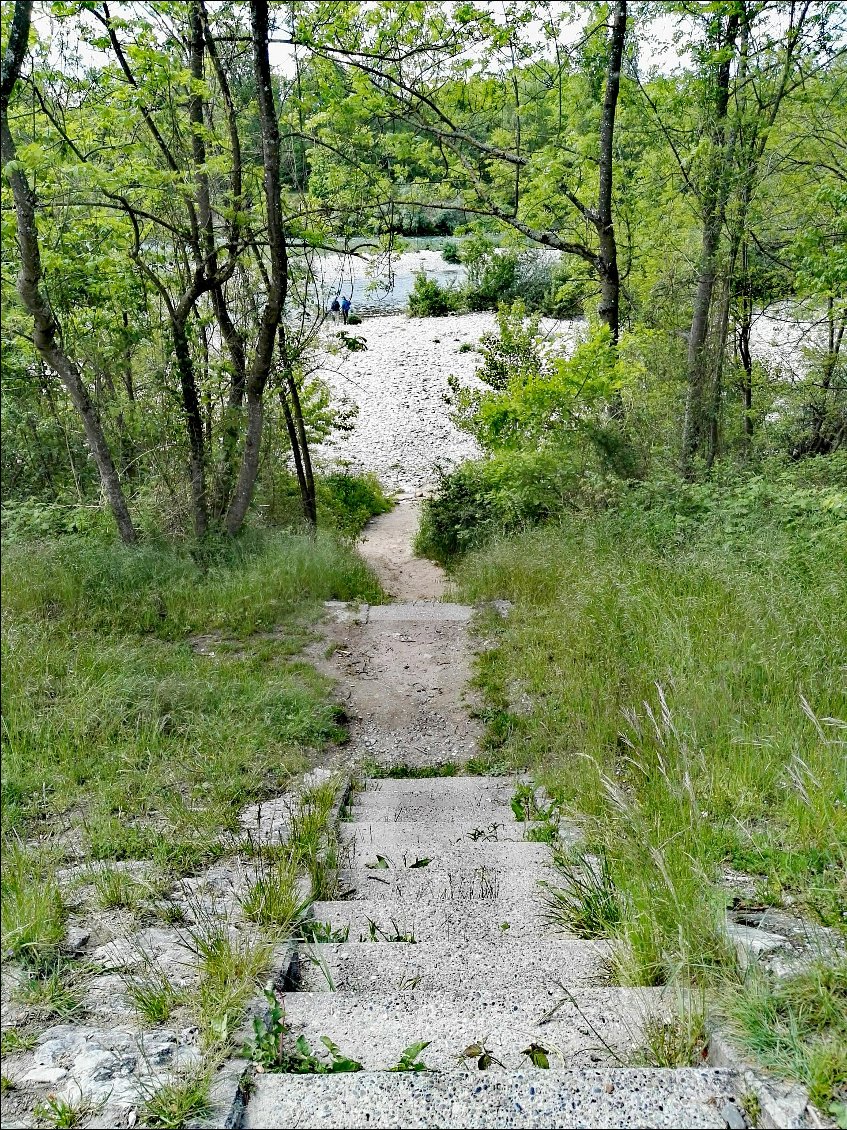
x,y
345,308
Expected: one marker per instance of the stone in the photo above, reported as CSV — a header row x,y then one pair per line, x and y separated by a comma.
x,y
45,1075
733,1117
76,939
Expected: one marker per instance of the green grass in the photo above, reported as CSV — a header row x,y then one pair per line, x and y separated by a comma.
x,y
687,709
113,718
33,912
797,1026
229,965
179,1101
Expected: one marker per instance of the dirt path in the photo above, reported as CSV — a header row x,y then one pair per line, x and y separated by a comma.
x,y
402,668
387,547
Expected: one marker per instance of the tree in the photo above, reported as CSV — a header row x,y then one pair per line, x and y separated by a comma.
x,y
47,330
480,123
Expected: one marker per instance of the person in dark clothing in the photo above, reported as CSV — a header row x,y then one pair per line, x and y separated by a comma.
x,y
345,308
335,309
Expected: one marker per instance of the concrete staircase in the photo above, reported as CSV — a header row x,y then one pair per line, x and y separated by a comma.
x,y
444,862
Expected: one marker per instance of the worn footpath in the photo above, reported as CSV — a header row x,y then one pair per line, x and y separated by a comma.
x,y
440,953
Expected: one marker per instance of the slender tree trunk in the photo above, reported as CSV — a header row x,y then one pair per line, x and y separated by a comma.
x,y
607,259
696,425
278,277
193,422
308,493
47,332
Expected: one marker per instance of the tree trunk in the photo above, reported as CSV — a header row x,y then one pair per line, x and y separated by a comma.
x,y
697,424
278,278
47,332
193,422
607,259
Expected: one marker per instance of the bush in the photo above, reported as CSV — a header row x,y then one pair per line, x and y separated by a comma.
x,y
503,493
450,252
348,501
429,300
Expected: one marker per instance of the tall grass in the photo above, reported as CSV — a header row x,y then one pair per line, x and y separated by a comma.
x,y
686,698
112,716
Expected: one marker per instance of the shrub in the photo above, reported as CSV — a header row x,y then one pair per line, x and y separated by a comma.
x,y
450,252
505,492
429,300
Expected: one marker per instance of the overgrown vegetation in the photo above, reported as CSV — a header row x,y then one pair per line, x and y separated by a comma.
x,y
680,652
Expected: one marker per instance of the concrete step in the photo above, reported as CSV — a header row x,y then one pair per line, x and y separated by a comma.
x,y
443,811
483,883
531,1100
418,612
375,1028
445,845
502,966
436,790
457,921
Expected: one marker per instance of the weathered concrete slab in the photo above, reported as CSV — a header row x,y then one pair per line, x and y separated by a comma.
x,y
623,1098
483,883
376,1028
491,965
420,612
456,922
403,844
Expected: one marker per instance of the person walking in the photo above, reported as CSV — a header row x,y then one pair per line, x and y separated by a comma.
x,y
345,308
335,309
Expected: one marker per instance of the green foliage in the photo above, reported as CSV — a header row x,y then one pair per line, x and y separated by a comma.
x,y
33,912
269,1049
537,397
729,635
409,1059
430,300
588,903
347,502
450,251
180,1102
508,491
797,1026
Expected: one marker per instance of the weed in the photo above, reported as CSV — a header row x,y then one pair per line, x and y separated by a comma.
x,y
52,994
229,966
487,834
481,1054
409,1060
59,1113
32,908
273,899
678,1040
752,1108
537,1055
313,931
118,890
16,1040
382,863
394,934
179,1102
153,994
589,903
268,1047
6,1084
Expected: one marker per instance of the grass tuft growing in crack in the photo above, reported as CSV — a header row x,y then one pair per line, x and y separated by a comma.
x,y
588,903
179,1102
229,964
